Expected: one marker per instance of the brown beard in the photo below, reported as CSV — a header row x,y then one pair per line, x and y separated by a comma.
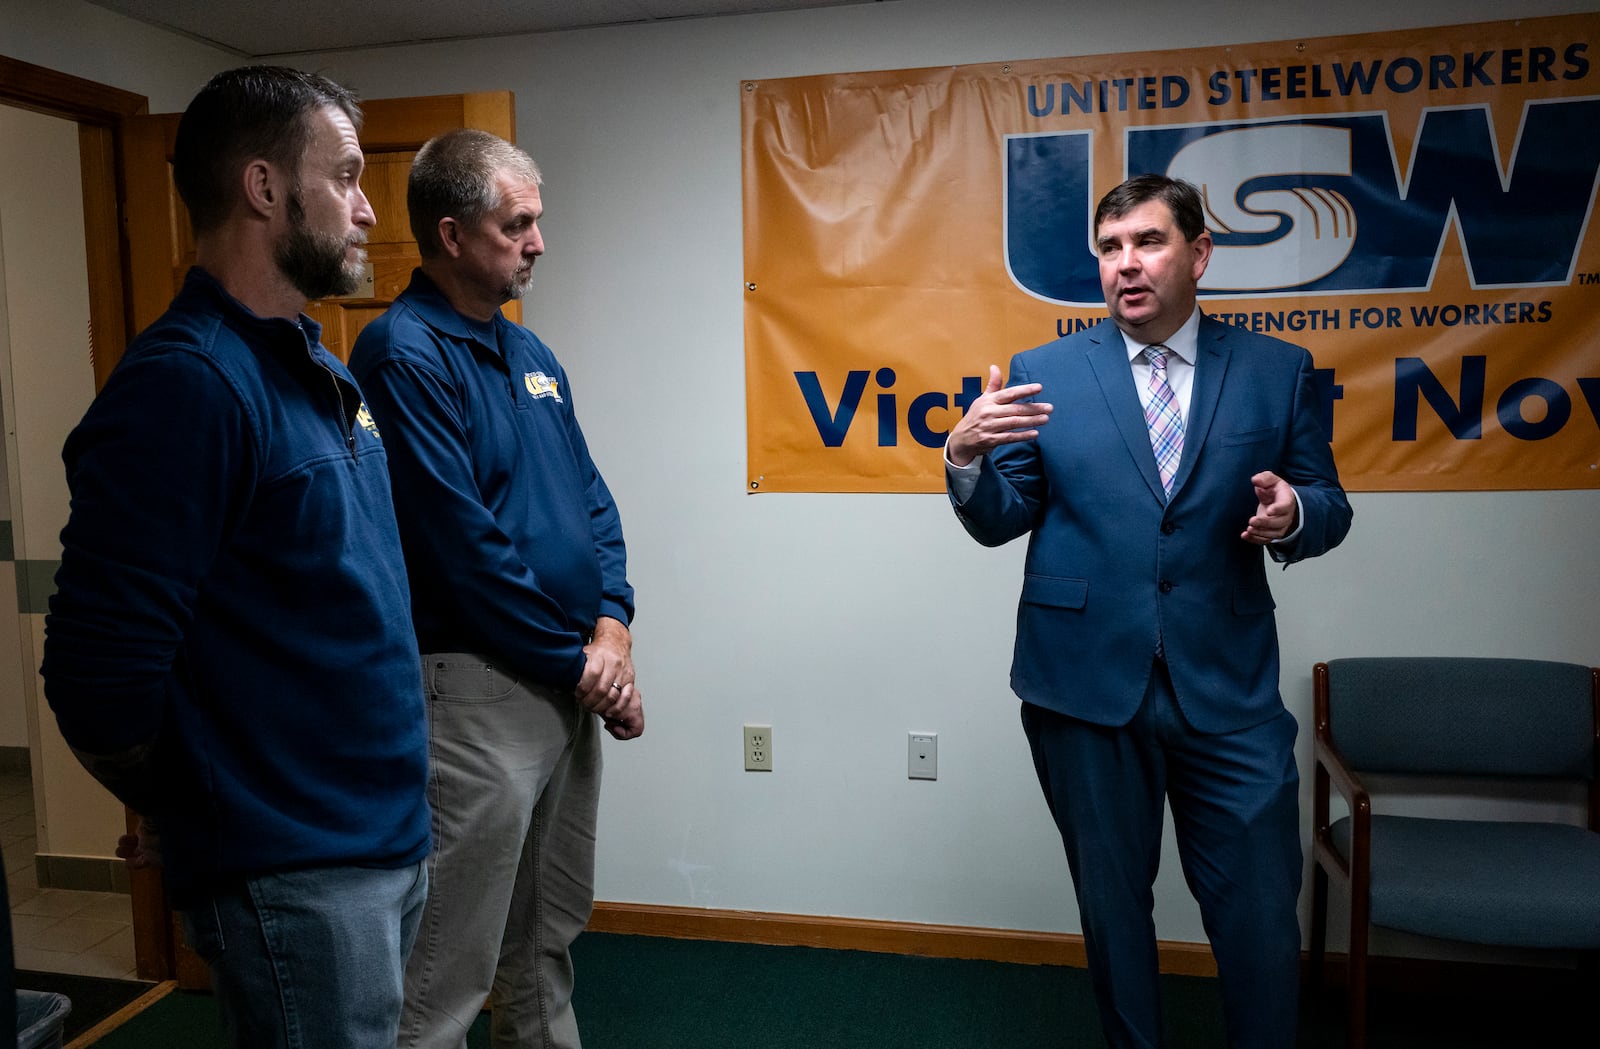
x,y
314,262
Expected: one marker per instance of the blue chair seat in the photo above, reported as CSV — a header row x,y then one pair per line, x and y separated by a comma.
x,y
1508,884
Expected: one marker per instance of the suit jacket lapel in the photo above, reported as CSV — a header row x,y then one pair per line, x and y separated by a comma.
x,y
1210,366
1109,359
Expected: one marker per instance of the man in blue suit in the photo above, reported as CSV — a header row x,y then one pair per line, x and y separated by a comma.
x,y
1152,460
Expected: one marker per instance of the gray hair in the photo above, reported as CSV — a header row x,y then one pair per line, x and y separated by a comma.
x,y
454,176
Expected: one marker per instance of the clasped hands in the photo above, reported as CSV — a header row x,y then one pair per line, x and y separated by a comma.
x,y
141,849
607,685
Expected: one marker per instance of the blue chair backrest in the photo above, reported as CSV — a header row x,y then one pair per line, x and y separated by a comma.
x,y
1458,716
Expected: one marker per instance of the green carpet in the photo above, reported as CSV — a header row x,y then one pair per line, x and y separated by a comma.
x,y
704,994
637,992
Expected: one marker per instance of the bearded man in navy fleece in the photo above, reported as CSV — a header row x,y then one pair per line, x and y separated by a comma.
x,y
230,647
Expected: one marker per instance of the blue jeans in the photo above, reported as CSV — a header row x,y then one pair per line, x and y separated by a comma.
x,y
310,959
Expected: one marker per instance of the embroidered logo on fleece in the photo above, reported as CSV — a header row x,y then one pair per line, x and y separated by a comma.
x,y
368,423
541,385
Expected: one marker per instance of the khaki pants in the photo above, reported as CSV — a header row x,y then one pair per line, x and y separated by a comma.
x,y
515,786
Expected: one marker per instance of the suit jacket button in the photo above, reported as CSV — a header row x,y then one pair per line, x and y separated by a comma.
x,y
1166,586
1167,528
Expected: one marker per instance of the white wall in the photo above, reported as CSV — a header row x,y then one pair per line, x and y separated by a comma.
x,y
845,621
13,695
50,380
70,36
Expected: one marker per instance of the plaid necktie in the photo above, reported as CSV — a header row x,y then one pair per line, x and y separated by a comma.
x,y
1161,415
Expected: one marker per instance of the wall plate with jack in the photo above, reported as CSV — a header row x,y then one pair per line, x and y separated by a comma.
x,y
922,755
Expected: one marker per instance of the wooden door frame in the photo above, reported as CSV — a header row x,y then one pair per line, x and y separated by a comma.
x,y
98,110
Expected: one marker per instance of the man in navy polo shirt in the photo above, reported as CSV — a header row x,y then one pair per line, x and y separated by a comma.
x,y
520,596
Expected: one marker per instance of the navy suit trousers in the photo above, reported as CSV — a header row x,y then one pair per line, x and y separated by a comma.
x,y
1235,806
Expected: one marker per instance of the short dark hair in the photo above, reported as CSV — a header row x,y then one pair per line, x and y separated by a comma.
x,y
1180,197
245,114
455,176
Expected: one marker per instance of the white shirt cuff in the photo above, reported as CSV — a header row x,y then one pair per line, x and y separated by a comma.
x,y
963,479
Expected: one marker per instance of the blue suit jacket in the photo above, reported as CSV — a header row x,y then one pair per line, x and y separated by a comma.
x,y
1113,564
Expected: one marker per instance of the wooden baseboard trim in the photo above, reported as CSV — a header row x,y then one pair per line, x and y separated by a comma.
x,y
80,873
884,937
12,759
123,1015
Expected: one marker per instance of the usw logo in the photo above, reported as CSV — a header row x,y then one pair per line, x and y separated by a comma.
x,y
1319,204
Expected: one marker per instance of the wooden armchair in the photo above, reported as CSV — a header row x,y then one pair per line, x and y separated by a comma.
x,y
1506,883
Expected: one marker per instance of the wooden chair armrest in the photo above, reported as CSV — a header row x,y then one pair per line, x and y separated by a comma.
x,y
1332,768
1344,778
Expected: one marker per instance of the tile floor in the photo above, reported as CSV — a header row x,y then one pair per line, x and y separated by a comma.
x,y
58,930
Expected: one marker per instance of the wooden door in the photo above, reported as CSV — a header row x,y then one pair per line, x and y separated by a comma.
x,y
161,245
160,252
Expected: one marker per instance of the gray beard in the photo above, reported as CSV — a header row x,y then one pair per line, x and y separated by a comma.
x,y
517,287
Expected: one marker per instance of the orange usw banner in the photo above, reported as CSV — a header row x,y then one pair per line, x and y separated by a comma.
x,y
1412,207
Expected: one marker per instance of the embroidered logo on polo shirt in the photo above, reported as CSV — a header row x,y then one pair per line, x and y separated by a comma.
x,y
368,423
541,385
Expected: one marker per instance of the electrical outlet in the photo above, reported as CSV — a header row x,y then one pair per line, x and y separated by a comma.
x,y
758,748
922,755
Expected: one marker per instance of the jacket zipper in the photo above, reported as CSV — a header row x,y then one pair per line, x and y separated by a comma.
x,y
344,422
338,394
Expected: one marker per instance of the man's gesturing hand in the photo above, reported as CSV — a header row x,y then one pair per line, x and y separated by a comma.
x,y
996,418
1277,512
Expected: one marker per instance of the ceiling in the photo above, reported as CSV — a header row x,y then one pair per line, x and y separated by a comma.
x,y
281,27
